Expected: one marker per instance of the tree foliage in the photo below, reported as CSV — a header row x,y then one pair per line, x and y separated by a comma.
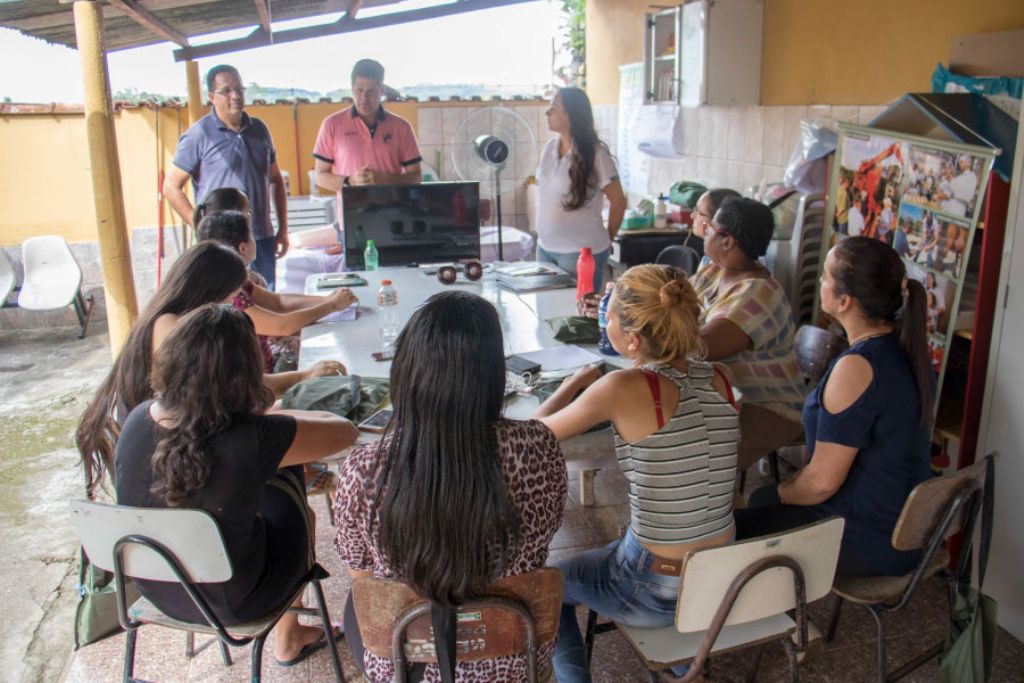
x,y
573,45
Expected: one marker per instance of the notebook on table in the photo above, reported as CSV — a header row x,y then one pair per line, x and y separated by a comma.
x,y
532,277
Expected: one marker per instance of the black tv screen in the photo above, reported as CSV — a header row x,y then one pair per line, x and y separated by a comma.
x,y
412,224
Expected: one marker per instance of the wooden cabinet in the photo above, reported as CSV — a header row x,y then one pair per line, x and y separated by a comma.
x,y
704,52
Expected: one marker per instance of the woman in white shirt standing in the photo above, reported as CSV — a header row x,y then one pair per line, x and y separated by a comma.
x,y
575,174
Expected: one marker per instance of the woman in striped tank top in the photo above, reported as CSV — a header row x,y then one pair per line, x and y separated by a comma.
x,y
676,430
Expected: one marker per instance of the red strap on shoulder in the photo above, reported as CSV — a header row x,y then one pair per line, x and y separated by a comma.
x,y
728,387
652,382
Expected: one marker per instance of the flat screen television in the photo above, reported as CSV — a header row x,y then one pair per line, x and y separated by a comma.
x,y
412,224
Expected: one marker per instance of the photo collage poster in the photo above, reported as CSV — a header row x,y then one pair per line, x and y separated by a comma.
x,y
922,197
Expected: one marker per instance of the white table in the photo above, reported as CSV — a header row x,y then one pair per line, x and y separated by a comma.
x,y
523,321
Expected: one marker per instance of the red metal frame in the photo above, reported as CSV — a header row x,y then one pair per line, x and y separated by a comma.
x,y
997,199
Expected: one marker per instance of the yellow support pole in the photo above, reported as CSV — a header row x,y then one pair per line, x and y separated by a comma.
x,y
108,197
195,96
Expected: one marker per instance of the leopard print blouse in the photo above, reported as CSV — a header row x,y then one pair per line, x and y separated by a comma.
x,y
534,469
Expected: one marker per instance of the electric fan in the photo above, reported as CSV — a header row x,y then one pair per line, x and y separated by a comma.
x,y
494,145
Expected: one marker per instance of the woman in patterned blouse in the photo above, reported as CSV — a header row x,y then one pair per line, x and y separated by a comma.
x,y
747,324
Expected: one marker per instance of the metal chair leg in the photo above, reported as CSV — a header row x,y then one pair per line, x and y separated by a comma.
x,y
325,619
190,644
225,655
257,659
129,654
773,466
833,622
83,309
330,508
880,645
588,639
743,480
752,674
794,669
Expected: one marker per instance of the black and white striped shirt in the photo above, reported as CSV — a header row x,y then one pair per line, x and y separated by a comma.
x,y
681,477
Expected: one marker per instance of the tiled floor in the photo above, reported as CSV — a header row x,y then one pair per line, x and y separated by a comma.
x,y
850,657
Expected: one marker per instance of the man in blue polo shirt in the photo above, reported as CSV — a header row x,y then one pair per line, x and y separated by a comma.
x,y
229,148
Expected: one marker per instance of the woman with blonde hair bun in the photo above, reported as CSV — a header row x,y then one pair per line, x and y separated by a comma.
x,y
676,429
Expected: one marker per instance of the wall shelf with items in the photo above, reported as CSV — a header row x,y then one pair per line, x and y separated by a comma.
x,y
704,52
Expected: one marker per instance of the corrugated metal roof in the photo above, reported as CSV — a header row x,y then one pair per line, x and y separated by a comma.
x,y
53,21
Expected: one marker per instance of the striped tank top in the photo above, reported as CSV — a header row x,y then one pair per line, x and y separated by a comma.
x,y
681,477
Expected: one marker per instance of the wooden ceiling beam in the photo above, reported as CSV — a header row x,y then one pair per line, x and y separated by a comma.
x,y
149,21
343,25
263,9
353,7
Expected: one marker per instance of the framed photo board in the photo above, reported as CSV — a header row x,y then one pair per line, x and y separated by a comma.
x,y
920,196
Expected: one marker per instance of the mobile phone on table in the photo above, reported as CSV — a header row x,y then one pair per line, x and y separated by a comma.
x,y
387,354
376,422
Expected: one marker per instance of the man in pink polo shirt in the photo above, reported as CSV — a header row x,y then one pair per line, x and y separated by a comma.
x,y
365,144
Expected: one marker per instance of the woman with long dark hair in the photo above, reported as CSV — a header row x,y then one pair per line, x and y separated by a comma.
x,y
206,273
868,422
675,425
206,443
575,174
453,496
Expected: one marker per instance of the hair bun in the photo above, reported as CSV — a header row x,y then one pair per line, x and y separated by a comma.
x,y
671,293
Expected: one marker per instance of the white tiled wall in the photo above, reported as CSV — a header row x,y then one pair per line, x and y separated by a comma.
x,y
438,134
723,146
737,146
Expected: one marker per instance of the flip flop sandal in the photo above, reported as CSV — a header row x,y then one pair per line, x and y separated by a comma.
x,y
310,649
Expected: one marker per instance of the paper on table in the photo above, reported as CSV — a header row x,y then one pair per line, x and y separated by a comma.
x,y
350,313
562,357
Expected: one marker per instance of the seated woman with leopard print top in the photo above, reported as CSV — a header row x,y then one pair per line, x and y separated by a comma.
x,y
453,496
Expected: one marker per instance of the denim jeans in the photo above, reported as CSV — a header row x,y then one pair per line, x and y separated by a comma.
x,y
617,582
567,262
266,260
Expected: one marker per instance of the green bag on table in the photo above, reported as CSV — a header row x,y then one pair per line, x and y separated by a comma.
x,y
575,329
350,396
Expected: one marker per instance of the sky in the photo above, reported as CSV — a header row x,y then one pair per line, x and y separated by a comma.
x,y
506,45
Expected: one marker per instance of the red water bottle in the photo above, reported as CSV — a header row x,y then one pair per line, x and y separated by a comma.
x,y
584,273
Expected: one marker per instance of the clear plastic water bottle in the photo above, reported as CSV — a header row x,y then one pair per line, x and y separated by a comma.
x,y
387,311
370,259
605,344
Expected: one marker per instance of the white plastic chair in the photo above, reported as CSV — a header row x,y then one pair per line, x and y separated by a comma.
x,y
737,595
8,278
53,279
185,547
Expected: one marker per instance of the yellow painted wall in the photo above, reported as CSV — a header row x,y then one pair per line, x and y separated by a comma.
x,y
46,186
615,36
818,51
868,51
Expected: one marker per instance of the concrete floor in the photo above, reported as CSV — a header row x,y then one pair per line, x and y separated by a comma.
x,y
50,376
46,378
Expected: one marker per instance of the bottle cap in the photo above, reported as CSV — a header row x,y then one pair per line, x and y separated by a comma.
x,y
585,250
385,283
370,243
